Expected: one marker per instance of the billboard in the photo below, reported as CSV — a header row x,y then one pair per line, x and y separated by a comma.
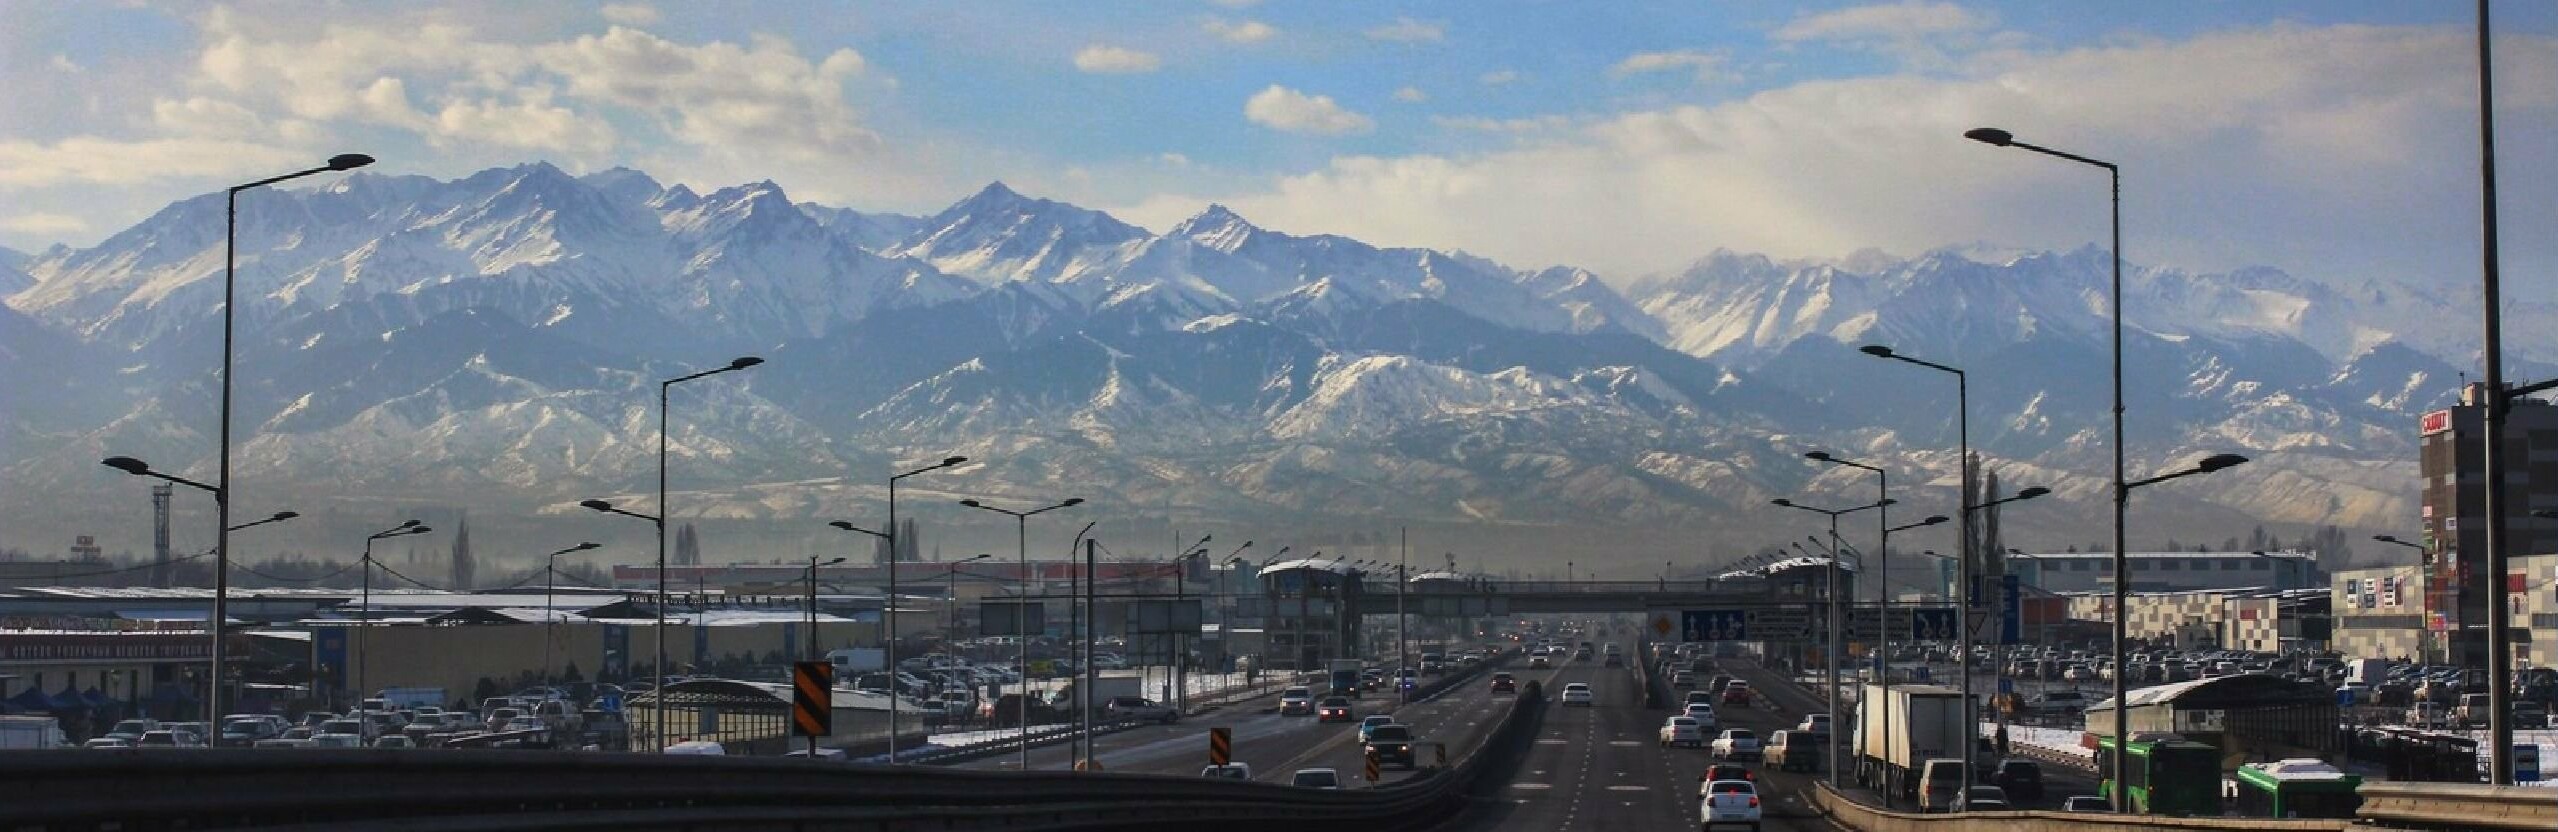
x,y
1181,616
1007,618
2434,422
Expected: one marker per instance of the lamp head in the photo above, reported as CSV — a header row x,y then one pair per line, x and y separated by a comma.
x,y
972,503
832,562
419,530
1876,350
1990,136
2217,462
846,525
2384,538
1932,519
284,515
1782,502
1072,501
349,161
411,524
1823,456
2032,491
585,546
127,464
598,505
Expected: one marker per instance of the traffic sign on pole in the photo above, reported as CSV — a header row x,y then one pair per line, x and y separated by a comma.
x,y
1781,624
1715,625
1221,746
1932,624
812,705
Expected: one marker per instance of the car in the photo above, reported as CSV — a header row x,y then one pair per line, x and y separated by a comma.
x,y
1391,743
107,742
1793,750
166,738
1683,679
1729,803
1581,655
395,741
1700,696
1503,682
2022,778
1703,713
1371,722
1814,724
1335,709
1296,701
336,740
1316,778
131,730
1615,660
1984,799
1229,771
1737,694
1141,709
1724,771
2087,804
1578,693
283,742
1539,662
1681,731
1736,744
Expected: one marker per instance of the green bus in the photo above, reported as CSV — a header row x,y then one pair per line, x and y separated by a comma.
x,y
2168,776
2297,789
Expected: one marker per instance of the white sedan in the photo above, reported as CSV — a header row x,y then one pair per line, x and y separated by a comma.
x,y
1681,731
1736,744
1703,714
1734,802
1578,693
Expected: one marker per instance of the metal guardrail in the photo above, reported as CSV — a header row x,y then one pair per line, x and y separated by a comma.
x,y
142,790
2392,805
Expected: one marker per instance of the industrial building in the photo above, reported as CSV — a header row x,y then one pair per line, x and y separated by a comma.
x,y
2067,572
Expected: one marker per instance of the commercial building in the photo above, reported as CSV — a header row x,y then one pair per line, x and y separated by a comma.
x,y
2454,460
2169,571
2380,613
2243,619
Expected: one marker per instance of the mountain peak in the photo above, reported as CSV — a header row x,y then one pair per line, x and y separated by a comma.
x,y
1217,227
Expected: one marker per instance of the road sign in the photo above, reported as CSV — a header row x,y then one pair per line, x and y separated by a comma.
x,y
1662,624
812,705
1714,625
1984,624
1373,774
1221,746
1936,624
1781,625
1011,618
1178,616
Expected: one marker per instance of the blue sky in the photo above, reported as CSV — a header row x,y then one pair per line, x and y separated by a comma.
x,y
2335,139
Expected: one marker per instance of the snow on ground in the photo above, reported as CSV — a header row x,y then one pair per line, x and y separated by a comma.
x,y
960,739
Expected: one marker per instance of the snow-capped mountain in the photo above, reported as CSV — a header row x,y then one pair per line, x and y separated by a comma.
x,y
492,340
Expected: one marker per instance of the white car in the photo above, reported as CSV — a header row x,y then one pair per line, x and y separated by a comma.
x,y
1296,700
1229,771
1731,802
1681,731
1578,693
1814,723
1316,778
1703,714
1736,744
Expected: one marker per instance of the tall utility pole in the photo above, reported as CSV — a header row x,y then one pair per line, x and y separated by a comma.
x,y
1092,676
2500,654
160,534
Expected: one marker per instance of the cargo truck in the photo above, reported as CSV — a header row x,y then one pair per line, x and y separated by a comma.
x,y
1924,722
1345,677
31,732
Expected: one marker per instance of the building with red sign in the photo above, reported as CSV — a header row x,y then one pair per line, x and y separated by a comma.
x,y
2458,592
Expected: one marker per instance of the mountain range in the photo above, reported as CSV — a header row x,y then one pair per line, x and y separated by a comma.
x,y
490,342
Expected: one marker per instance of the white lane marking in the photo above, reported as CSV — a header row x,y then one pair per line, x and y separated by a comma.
x,y
1531,785
1629,789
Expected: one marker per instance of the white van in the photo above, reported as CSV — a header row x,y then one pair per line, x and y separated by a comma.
x,y
1940,782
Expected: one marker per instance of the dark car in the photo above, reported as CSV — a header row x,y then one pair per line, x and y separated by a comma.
x,y
1504,683
1391,744
2023,779
1335,709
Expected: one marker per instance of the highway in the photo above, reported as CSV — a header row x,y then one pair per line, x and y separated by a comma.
x,y
1276,746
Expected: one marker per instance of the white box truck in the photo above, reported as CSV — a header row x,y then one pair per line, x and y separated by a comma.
x,y
1923,722
31,732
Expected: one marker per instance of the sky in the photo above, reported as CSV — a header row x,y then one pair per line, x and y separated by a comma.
x,y
2332,138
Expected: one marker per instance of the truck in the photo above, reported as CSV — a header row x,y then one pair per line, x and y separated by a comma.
x,y
31,732
2367,671
851,660
1924,722
1068,699
1345,676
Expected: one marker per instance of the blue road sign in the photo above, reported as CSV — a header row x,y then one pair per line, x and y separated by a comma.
x,y
1714,625
2011,606
1932,624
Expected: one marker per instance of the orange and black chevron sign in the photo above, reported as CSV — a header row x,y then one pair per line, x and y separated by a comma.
x,y
1221,746
812,699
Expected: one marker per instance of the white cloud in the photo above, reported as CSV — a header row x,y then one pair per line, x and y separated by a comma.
x,y
1515,126
1098,58
1284,109
1411,95
531,121
101,161
1237,4
1499,77
62,63
1891,20
2318,149
1708,67
43,223
1408,30
630,14
1243,31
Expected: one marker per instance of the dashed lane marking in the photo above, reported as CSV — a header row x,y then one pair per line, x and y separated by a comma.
x,y
1629,789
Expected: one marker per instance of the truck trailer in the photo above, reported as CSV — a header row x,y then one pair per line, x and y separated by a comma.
x,y
1923,722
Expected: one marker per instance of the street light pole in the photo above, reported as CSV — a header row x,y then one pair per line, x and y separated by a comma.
x,y
657,693
550,585
950,618
1837,619
222,489
2500,652
663,391
2122,615
1021,607
364,645
813,653
889,609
